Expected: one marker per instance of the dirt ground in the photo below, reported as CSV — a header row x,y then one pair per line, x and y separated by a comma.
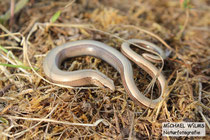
x,y
31,107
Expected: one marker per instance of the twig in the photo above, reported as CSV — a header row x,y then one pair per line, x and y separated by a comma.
x,y
200,110
116,120
8,32
8,75
5,89
131,127
24,131
185,24
12,7
58,122
13,63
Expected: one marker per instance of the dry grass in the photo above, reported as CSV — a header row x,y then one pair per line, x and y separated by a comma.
x,y
32,107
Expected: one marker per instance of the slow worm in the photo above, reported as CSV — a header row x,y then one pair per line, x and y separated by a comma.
x,y
112,56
